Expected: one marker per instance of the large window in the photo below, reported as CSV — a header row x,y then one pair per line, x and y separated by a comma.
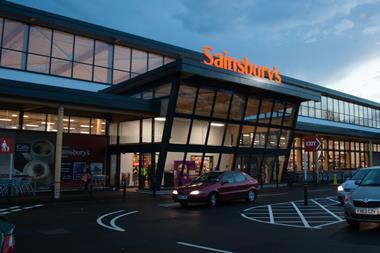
x,y
43,50
342,111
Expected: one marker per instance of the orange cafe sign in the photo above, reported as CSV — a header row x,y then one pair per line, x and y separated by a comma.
x,y
240,66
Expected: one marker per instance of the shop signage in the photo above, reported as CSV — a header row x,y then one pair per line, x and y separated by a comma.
x,y
240,66
312,143
7,145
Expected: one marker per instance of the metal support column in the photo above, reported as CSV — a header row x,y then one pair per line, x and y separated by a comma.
x,y
58,154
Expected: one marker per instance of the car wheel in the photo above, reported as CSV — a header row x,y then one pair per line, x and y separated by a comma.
x,y
183,204
354,224
251,196
213,199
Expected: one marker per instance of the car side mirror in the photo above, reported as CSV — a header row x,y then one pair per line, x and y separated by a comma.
x,y
358,182
224,182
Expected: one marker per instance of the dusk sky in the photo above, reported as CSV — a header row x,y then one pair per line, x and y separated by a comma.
x,y
334,43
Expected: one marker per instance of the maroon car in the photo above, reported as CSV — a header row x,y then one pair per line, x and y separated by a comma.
x,y
217,186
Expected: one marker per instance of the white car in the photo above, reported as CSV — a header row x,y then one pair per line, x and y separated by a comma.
x,y
349,185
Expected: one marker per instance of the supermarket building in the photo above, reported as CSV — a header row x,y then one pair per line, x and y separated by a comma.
x,y
77,96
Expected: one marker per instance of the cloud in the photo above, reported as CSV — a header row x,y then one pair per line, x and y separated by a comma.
x,y
371,30
343,26
361,80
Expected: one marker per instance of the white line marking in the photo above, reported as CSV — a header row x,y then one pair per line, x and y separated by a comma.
x,y
330,198
261,221
100,222
39,205
327,210
324,225
5,212
28,207
113,221
271,218
203,247
15,210
301,216
14,207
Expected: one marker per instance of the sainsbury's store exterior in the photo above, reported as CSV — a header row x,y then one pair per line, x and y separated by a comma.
x,y
76,95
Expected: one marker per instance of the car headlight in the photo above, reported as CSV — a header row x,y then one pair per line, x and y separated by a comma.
x,y
196,192
340,188
174,192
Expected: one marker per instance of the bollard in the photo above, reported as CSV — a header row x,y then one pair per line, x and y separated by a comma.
x,y
335,182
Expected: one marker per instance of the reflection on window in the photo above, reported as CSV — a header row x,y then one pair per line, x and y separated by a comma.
x,y
247,134
226,162
98,126
83,50
155,61
129,132
204,102
79,125
38,63
40,40
15,34
198,132
12,59
231,137
63,45
289,115
186,97
237,107
103,54
122,58
139,61
278,112
159,124
120,76
273,138
216,133
102,75
252,109
9,119
180,131
284,139
265,111
162,90
147,130
260,137
61,67
34,121
222,103
82,71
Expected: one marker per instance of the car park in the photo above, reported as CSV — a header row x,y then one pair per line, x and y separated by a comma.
x,y
349,185
363,203
217,186
7,239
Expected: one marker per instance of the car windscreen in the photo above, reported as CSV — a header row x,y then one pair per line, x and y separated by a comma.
x,y
212,177
372,179
360,175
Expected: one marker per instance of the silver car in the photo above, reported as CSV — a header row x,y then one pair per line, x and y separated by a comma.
x,y
363,203
349,185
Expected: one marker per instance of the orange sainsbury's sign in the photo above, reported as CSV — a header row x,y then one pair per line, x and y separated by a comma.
x,y
240,66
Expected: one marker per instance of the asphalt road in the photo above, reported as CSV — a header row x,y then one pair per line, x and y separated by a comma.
x,y
146,224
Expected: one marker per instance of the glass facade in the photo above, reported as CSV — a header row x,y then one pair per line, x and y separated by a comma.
x,y
341,111
48,122
336,154
43,50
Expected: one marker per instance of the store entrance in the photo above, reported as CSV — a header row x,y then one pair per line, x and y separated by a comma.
x,y
139,169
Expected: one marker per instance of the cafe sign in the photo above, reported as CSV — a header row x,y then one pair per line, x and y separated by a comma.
x,y
244,66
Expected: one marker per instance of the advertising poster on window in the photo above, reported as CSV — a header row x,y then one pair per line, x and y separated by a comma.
x,y
4,157
188,172
35,158
79,153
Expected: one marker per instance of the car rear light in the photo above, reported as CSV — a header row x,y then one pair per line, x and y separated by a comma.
x,y
9,244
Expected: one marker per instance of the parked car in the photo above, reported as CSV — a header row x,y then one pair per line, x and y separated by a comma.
x,y
363,203
349,185
7,242
217,186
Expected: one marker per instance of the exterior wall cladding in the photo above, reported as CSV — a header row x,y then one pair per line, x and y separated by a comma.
x,y
202,127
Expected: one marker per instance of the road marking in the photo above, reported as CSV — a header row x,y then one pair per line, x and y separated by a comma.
x,y
203,247
14,209
271,219
327,210
330,198
301,216
113,225
113,221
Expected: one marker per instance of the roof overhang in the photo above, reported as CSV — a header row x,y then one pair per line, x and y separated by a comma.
x,y
46,98
189,68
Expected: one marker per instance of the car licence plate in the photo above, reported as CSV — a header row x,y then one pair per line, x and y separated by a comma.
x,y
367,211
181,197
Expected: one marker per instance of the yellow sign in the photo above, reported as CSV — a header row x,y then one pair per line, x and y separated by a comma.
x,y
240,66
